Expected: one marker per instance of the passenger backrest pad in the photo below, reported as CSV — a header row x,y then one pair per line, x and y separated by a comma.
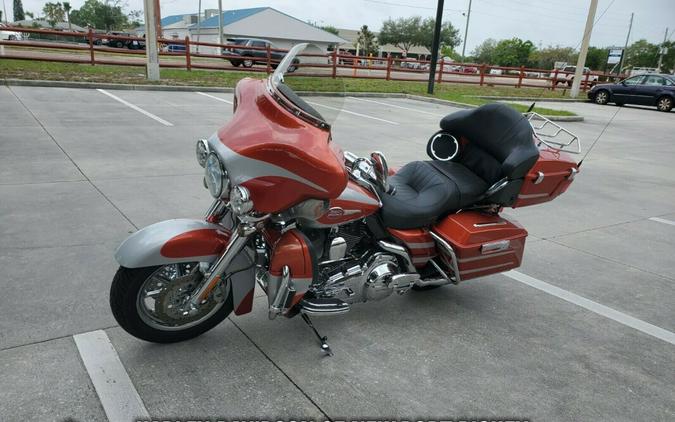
x,y
500,141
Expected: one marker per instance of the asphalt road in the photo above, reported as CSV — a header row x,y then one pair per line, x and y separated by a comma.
x,y
573,335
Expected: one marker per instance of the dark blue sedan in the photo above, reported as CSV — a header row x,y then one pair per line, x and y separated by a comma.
x,y
650,90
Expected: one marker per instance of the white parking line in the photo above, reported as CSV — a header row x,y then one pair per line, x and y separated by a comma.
x,y
117,393
352,112
599,309
214,97
663,220
135,107
397,106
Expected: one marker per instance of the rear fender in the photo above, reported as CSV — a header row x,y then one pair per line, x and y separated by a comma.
x,y
187,240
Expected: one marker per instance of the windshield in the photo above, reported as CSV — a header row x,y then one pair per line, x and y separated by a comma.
x,y
294,94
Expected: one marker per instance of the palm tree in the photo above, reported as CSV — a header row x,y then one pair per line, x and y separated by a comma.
x,y
66,7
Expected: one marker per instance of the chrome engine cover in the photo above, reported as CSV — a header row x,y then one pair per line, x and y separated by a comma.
x,y
372,280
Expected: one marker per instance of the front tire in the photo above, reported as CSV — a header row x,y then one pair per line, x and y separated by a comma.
x,y
247,63
601,97
130,285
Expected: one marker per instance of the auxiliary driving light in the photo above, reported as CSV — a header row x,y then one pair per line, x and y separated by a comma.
x,y
240,200
202,150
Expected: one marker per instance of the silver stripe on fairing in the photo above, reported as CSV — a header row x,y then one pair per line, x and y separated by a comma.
x,y
491,267
532,195
353,195
421,259
142,249
242,169
424,245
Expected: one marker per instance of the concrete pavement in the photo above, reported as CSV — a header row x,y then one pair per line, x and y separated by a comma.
x,y
79,171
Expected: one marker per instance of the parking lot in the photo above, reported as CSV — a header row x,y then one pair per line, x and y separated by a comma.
x,y
582,331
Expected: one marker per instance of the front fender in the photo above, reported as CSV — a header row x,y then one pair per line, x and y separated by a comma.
x,y
172,241
186,240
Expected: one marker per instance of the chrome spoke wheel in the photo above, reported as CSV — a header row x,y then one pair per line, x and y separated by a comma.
x,y
163,301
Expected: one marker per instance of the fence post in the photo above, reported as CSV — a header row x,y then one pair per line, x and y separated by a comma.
x,y
188,59
554,82
586,82
520,76
335,60
440,71
90,37
389,67
269,59
482,74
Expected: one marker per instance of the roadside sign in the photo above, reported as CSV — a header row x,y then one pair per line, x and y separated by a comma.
x,y
614,55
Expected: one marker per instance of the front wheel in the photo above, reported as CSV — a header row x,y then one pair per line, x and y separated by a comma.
x,y
247,63
153,303
601,97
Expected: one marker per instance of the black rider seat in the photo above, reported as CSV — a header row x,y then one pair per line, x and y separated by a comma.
x,y
499,146
427,189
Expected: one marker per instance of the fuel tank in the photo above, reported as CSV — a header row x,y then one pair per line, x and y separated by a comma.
x,y
281,159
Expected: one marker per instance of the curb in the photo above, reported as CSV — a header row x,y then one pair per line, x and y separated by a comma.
x,y
103,85
189,88
542,100
464,105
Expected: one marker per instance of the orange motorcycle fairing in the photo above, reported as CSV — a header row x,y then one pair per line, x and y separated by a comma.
x,y
294,250
483,243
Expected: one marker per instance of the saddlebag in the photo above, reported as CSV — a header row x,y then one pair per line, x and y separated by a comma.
x,y
550,176
482,243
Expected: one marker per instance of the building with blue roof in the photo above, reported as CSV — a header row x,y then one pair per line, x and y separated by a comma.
x,y
281,29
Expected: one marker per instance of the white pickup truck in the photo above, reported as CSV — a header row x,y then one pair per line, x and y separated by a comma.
x,y
562,76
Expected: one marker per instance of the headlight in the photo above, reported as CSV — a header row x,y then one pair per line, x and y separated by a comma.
x,y
240,200
202,151
216,177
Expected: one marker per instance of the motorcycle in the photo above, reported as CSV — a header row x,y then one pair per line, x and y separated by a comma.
x,y
319,229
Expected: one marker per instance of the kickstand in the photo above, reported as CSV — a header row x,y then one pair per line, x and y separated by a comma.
x,y
323,340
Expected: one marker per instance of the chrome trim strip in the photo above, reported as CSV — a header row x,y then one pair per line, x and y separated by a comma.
x,y
500,223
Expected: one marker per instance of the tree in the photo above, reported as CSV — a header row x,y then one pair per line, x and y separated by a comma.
x,y
54,13
546,57
513,52
102,14
642,54
367,42
331,29
596,58
486,51
403,32
66,8
449,34
19,14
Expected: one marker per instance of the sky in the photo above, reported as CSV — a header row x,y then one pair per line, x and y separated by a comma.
x,y
544,22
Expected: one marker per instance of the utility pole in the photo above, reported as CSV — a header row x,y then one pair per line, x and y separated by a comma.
x,y
663,50
4,7
625,48
152,65
199,23
466,30
158,20
220,21
581,61
435,45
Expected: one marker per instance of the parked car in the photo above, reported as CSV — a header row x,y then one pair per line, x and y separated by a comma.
x,y
651,90
349,61
175,48
562,76
120,43
469,69
249,56
7,34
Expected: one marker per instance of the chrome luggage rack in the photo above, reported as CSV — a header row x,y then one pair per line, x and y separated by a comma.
x,y
553,135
